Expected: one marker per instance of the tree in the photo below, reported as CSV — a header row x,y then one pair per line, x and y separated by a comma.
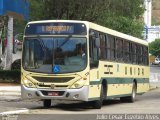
x,y
124,16
36,13
154,47
37,10
19,26
3,36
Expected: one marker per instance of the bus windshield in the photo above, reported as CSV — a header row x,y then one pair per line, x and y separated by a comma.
x,y
55,55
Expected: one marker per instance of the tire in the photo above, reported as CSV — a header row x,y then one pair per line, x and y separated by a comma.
x,y
16,65
131,98
98,103
47,103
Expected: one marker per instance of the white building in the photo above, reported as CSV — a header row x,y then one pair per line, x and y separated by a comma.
x,y
151,32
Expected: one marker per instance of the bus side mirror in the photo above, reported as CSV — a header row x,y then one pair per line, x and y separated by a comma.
x,y
91,34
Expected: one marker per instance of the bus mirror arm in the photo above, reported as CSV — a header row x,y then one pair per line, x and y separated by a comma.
x,y
91,34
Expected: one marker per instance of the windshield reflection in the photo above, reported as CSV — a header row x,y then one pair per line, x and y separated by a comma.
x,y
54,55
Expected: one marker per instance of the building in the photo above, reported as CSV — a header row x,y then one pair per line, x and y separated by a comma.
x,y
150,32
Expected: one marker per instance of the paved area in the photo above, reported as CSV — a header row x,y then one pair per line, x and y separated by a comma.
x,y
33,110
11,103
146,103
10,90
154,73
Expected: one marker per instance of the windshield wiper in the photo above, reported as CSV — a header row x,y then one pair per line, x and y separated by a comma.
x,y
41,42
67,39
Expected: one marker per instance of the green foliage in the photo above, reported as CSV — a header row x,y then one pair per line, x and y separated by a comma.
x,y
19,26
10,76
124,25
37,10
124,16
155,20
36,13
154,47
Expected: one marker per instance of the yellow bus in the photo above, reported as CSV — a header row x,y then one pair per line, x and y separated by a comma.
x,y
79,61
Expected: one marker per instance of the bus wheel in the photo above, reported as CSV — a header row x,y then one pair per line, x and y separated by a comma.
x,y
132,97
47,103
98,103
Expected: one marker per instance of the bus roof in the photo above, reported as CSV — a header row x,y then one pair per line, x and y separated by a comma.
x,y
116,33
99,28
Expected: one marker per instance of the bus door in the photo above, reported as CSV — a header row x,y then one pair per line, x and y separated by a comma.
x,y
94,52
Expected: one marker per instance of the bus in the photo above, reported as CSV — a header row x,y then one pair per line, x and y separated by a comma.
x,y
80,61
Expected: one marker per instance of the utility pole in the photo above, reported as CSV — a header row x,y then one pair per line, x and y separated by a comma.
x,y
148,12
6,56
147,16
3,26
9,44
1,30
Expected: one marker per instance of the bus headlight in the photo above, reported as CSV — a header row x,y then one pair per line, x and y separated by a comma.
x,y
28,83
78,84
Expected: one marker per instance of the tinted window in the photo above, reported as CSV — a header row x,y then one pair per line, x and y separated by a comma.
x,y
44,54
102,46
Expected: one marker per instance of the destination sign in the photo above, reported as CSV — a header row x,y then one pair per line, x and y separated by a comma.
x,y
56,28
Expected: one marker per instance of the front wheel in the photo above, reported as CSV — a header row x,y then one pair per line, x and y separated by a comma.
x,y
98,103
47,103
133,95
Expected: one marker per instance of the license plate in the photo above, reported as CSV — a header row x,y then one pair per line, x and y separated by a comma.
x,y
53,93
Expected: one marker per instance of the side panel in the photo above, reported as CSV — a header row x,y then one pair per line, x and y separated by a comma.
x,y
94,87
119,77
119,89
142,88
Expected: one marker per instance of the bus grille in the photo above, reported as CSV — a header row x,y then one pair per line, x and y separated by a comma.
x,y
56,86
53,79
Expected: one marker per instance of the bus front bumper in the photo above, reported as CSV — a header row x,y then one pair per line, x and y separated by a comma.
x,y
80,94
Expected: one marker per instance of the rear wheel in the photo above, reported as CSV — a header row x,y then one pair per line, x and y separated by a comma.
x,y
47,103
98,103
132,97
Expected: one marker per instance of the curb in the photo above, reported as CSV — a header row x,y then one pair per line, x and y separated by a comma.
x,y
152,87
10,88
10,93
25,110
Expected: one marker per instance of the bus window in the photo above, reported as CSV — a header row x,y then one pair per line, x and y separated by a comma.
x,y
145,56
133,53
102,47
139,50
119,49
141,56
126,51
112,47
94,44
108,50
